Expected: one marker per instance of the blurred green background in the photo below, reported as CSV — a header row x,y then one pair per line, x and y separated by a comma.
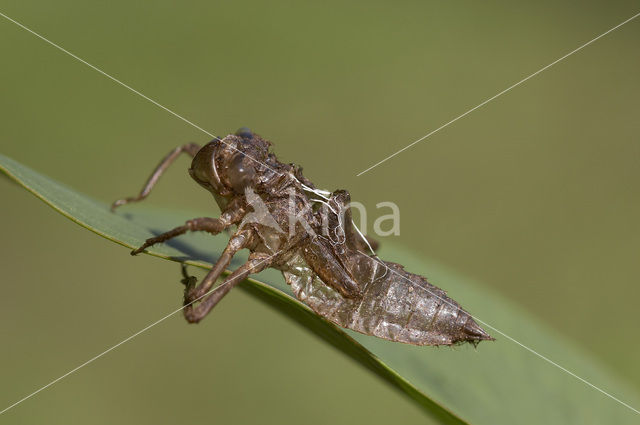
x,y
536,194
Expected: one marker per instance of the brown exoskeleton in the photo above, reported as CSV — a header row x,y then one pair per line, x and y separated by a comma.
x,y
283,223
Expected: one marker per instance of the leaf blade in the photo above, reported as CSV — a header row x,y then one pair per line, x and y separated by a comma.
x,y
459,382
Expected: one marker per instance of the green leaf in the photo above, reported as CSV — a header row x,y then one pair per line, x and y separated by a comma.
x,y
497,382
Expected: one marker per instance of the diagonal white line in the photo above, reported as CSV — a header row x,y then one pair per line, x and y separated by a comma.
x,y
546,359
498,95
129,338
175,114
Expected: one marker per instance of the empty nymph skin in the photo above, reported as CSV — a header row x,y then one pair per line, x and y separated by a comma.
x,y
288,224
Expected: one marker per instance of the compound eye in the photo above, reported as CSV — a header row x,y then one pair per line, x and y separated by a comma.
x,y
240,173
203,169
245,133
199,172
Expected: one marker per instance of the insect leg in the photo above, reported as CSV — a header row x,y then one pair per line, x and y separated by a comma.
x,y
237,242
232,215
190,148
325,264
255,264
207,224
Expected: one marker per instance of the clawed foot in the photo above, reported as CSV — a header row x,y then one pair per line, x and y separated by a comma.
x,y
118,203
162,238
189,283
125,201
149,242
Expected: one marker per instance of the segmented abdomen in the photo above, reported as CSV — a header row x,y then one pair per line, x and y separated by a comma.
x,y
395,305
